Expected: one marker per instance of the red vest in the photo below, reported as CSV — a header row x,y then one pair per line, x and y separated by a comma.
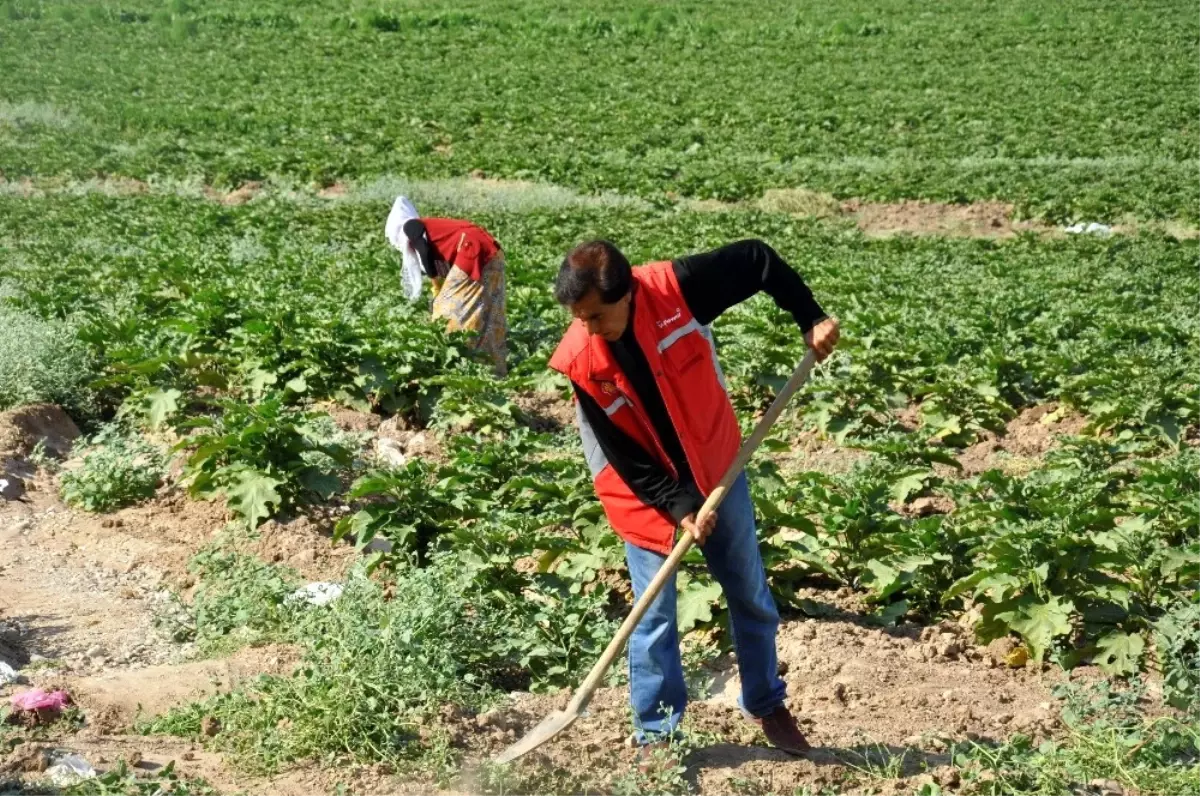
x,y
466,246
682,358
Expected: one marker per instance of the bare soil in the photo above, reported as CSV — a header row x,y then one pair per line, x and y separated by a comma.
x,y
335,191
865,696
812,451
975,220
147,755
21,430
545,411
239,196
1026,439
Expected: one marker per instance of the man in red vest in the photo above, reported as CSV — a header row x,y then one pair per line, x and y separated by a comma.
x,y
658,433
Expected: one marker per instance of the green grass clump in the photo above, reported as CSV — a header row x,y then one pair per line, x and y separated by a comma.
x,y
1110,737
376,668
1178,637
43,361
240,600
117,468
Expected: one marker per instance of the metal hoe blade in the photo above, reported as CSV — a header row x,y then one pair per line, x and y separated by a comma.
x,y
550,726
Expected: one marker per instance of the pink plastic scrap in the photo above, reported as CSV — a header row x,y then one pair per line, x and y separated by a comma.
x,y
37,699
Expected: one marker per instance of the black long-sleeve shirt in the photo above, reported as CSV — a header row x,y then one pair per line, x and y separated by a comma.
x,y
711,283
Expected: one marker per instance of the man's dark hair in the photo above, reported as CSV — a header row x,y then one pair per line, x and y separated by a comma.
x,y
596,265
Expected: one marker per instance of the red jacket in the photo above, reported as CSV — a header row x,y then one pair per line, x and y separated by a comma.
x,y
466,246
682,357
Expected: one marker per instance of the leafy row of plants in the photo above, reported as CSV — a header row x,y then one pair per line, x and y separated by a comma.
x,y
1084,558
309,306
773,96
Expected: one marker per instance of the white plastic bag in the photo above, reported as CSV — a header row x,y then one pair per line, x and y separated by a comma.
x,y
1090,228
319,593
69,769
410,271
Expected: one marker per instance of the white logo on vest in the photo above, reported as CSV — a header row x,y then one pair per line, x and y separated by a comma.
x,y
663,323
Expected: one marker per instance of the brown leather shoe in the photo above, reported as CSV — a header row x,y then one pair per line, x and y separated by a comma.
x,y
656,757
781,731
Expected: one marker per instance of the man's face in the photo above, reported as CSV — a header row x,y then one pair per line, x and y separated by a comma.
x,y
606,320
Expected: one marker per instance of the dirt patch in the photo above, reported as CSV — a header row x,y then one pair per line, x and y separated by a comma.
x,y
110,186
78,610
1172,229
912,217
423,444
545,411
239,196
160,536
926,506
80,597
12,651
304,545
21,430
800,202
863,695
147,755
1026,439
989,219
335,191
909,417
351,419
118,697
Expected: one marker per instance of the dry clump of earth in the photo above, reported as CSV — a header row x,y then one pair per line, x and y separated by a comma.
x,y
544,411
1027,438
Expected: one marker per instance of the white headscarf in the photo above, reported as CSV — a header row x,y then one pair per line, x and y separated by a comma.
x,y
411,271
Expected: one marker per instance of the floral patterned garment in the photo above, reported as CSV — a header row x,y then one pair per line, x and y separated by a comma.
x,y
478,307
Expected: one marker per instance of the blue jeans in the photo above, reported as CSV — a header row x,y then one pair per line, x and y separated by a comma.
x,y
657,690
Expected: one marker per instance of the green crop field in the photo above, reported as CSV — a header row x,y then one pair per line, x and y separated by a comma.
x,y
1077,110
981,519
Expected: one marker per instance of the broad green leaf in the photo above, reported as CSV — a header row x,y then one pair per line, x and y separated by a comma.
x,y
320,482
163,404
1120,653
1184,560
892,613
356,402
259,381
1040,623
1116,593
354,525
963,585
297,385
884,580
254,496
997,588
908,485
694,604
547,559
1167,426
